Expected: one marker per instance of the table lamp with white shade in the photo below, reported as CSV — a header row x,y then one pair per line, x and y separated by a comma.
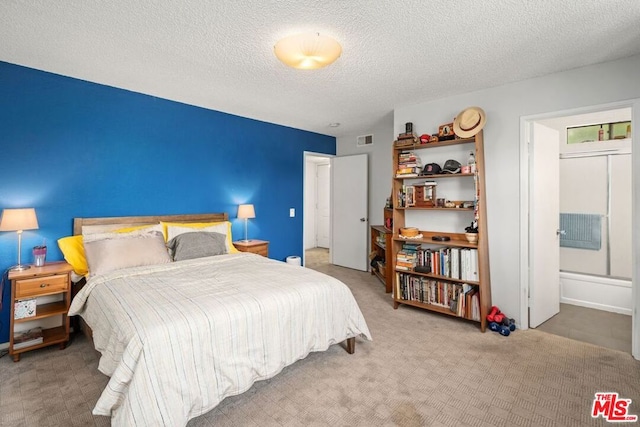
x,y
19,220
245,212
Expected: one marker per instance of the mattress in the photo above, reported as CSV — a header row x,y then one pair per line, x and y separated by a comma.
x,y
178,338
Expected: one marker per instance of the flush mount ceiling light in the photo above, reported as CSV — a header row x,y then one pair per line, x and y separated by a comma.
x,y
308,51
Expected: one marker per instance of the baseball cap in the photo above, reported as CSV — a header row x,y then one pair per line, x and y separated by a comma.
x,y
431,169
451,166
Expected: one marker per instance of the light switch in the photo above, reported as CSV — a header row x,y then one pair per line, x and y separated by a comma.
x,y
292,212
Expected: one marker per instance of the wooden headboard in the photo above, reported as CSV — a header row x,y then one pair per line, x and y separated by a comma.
x,y
126,221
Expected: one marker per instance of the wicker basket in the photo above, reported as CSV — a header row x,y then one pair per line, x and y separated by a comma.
x,y
409,231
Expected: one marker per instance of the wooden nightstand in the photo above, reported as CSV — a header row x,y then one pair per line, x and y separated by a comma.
x,y
260,247
50,287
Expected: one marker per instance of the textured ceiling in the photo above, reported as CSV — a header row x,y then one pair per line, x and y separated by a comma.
x,y
219,54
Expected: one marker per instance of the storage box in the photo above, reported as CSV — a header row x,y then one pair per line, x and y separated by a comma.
x,y
24,308
425,195
446,132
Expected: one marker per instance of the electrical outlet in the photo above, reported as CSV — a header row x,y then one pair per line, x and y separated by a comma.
x,y
292,212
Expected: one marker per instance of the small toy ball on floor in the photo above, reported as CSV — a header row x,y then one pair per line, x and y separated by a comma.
x,y
497,327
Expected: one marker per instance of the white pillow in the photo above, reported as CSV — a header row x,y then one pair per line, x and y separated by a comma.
x,y
124,250
91,236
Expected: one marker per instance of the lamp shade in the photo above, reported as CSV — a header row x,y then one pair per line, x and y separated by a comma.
x,y
307,51
18,219
246,211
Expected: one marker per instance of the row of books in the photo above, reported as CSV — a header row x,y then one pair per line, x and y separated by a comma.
x,y
27,338
457,263
462,299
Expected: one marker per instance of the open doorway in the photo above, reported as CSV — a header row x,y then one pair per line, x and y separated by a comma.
x,y
317,209
336,204
580,266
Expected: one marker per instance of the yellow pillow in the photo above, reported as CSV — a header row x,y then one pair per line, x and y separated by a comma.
x,y
72,248
232,249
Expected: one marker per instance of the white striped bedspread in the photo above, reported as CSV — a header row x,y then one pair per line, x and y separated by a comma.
x,y
178,338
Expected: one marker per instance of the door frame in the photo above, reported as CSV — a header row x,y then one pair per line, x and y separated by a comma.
x,y
306,155
319,166
526,179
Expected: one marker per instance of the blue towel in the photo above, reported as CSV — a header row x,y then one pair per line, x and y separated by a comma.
x,y
582,231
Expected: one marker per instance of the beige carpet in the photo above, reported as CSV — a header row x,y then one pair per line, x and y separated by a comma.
x,y
422,369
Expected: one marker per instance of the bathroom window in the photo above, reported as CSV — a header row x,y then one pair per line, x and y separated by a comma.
x,y
591,133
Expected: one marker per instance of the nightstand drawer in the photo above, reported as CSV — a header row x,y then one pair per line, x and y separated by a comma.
x,y
259,247
42,285
260,250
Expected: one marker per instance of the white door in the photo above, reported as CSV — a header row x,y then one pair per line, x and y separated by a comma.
x,y
544,221
323,205
349,224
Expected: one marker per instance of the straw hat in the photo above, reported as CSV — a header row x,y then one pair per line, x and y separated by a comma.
x,y
469,122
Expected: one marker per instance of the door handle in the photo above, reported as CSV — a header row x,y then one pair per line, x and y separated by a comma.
x,y
363,219
560,232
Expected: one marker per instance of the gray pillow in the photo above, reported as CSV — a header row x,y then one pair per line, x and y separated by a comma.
x,y
118,252
197,244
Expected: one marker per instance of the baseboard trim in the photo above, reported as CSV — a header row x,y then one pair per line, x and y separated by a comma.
x,y
596,306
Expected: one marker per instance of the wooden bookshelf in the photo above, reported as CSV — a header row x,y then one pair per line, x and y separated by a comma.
x,y
422,283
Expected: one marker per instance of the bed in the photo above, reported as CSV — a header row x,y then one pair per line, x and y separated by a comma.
x,y
178,337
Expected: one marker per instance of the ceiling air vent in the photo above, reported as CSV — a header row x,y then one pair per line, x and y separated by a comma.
x,y
365,140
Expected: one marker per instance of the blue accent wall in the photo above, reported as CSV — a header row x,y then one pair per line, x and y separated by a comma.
x,y
70,148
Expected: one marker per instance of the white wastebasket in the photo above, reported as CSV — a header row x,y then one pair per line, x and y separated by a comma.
x,y
295,260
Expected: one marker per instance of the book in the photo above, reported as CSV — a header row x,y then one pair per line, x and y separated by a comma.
x,y
405,142
27,338
407,170
474,266
29,343
407,135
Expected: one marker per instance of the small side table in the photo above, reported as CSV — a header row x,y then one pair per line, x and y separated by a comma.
x,y
51,279
260,247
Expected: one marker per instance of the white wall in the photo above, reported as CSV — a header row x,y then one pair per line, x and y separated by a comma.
x,y
379,163
504,105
